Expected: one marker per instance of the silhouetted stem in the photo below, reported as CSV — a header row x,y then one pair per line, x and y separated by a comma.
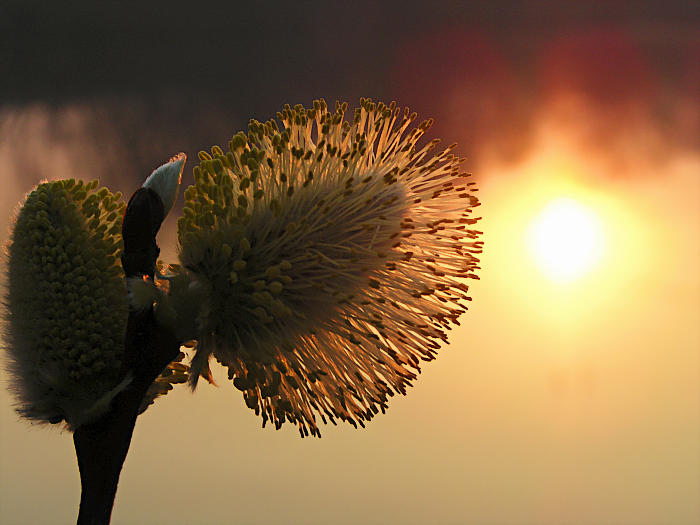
x,y
101,446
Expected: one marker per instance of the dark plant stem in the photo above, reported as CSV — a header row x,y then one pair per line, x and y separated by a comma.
x,y
101,446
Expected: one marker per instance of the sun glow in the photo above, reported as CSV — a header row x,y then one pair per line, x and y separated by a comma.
x,y
565,240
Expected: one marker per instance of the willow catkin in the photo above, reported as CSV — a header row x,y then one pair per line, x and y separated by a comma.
x,y
327,259
66,302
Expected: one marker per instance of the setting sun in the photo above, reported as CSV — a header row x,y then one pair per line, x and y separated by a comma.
x,y
565,240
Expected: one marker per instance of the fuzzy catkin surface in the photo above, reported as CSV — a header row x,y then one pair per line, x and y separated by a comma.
x,y
66,298
328,259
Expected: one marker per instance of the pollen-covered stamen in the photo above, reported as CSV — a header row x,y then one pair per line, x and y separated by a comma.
x,y
334,254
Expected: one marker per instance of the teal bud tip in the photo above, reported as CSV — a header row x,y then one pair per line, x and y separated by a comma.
x,y
165,180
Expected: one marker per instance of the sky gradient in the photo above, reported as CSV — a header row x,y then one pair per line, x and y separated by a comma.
x,y
553,403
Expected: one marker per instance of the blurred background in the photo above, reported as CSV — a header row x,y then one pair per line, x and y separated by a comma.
x,y
558,401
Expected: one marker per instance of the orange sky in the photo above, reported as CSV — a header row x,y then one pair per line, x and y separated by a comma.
x,y
554,403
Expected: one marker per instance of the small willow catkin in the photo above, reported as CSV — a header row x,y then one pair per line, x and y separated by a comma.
x,y
66,302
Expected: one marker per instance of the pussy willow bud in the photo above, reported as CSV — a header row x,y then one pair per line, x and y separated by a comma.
x,y
67,305
165,181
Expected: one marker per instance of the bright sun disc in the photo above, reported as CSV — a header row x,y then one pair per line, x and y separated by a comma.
x,y
565,240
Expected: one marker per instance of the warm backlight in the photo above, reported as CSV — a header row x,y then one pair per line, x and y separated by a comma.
x,y
565,240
